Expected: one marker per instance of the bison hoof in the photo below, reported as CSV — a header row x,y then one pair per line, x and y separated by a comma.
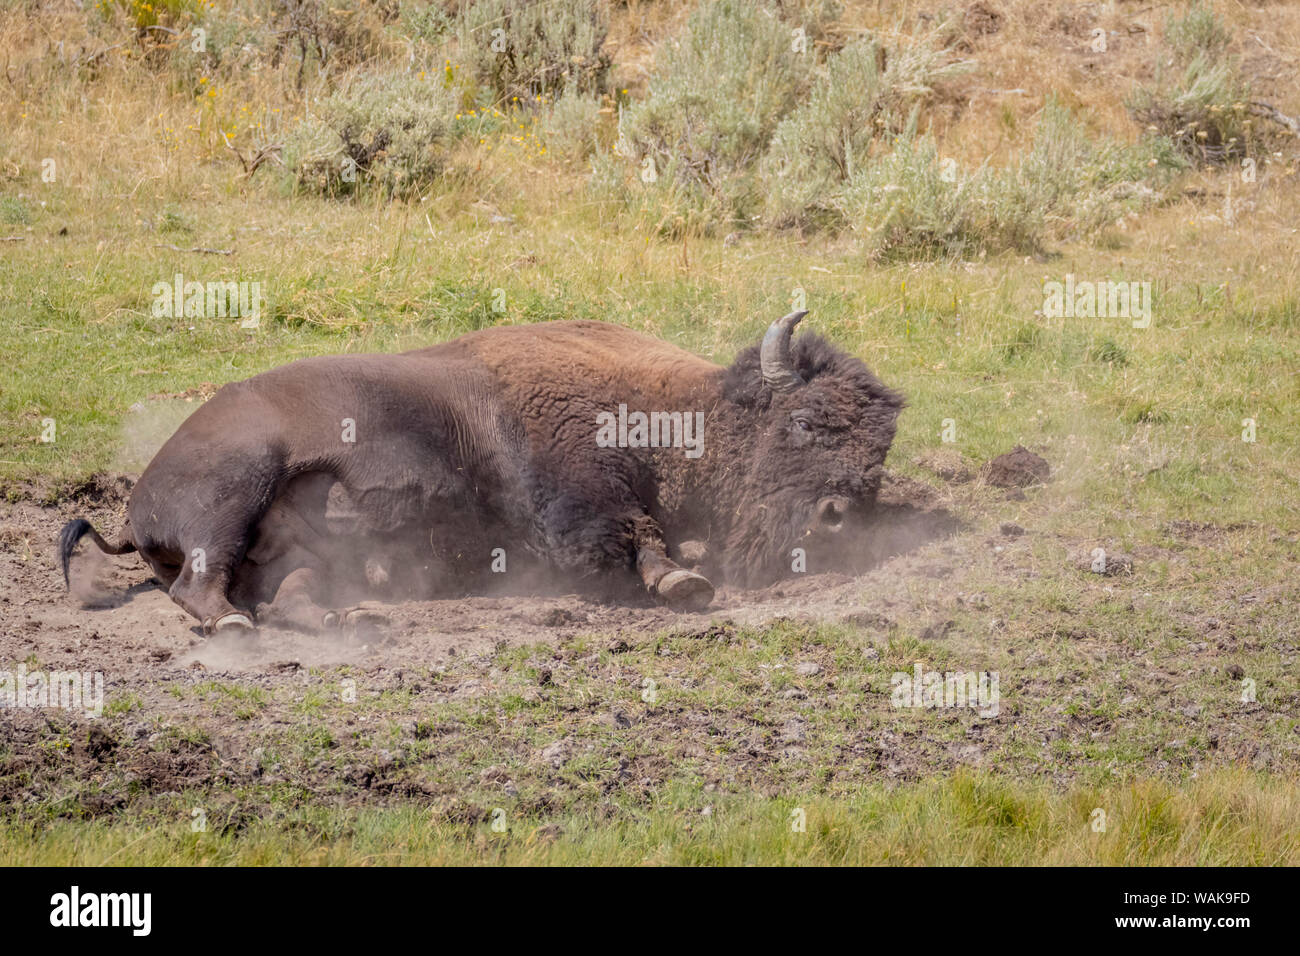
x,y
362,622
233,623
685,589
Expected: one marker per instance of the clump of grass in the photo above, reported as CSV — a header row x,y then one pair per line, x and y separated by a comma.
x,y
1109,352
14,212
522,49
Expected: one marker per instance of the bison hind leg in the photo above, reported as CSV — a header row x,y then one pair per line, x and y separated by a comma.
x,y
296,606
203,595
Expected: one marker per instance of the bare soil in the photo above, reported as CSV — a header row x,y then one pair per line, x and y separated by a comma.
x,y
539,703
117,619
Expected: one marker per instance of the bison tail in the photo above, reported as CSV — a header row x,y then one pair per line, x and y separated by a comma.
x,y
78,528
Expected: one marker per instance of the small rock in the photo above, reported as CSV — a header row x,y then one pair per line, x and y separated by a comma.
x,y
807,668
1011,529
558,753
1235,671
1106,563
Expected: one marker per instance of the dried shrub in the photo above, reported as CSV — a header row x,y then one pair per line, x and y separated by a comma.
x,y
523,49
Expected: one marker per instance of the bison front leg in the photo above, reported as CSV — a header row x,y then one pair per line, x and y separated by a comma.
x,y
663,577
587,537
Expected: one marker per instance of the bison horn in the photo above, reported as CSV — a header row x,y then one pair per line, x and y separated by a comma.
x,y
774,356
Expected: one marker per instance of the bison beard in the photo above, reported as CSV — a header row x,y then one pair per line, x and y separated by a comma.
x,y
342,478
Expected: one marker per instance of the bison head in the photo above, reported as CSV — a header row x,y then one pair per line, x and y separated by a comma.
x,y
816,426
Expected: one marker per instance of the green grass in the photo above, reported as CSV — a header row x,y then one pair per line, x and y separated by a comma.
x,y
1225,819
1160,428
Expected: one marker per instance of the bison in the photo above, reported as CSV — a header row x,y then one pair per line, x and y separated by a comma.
x,y
355,477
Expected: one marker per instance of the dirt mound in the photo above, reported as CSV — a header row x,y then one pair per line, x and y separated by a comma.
x,y
1018,468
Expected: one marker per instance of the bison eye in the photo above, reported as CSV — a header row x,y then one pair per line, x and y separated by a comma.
x,y
803,424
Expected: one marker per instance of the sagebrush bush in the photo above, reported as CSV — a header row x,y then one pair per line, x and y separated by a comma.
x,y
906,203
671,205
571,125
816,18
394,130
1070,185
529,48
1198,31
910,202
429,21
1200,100
716,96
866,92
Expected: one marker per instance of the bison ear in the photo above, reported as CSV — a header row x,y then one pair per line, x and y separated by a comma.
x,y
774,355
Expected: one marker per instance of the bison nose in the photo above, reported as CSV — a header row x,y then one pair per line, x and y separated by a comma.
x,y
830,514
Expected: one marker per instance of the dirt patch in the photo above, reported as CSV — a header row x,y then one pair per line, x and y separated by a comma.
x,y
117,615
547,703
945,463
